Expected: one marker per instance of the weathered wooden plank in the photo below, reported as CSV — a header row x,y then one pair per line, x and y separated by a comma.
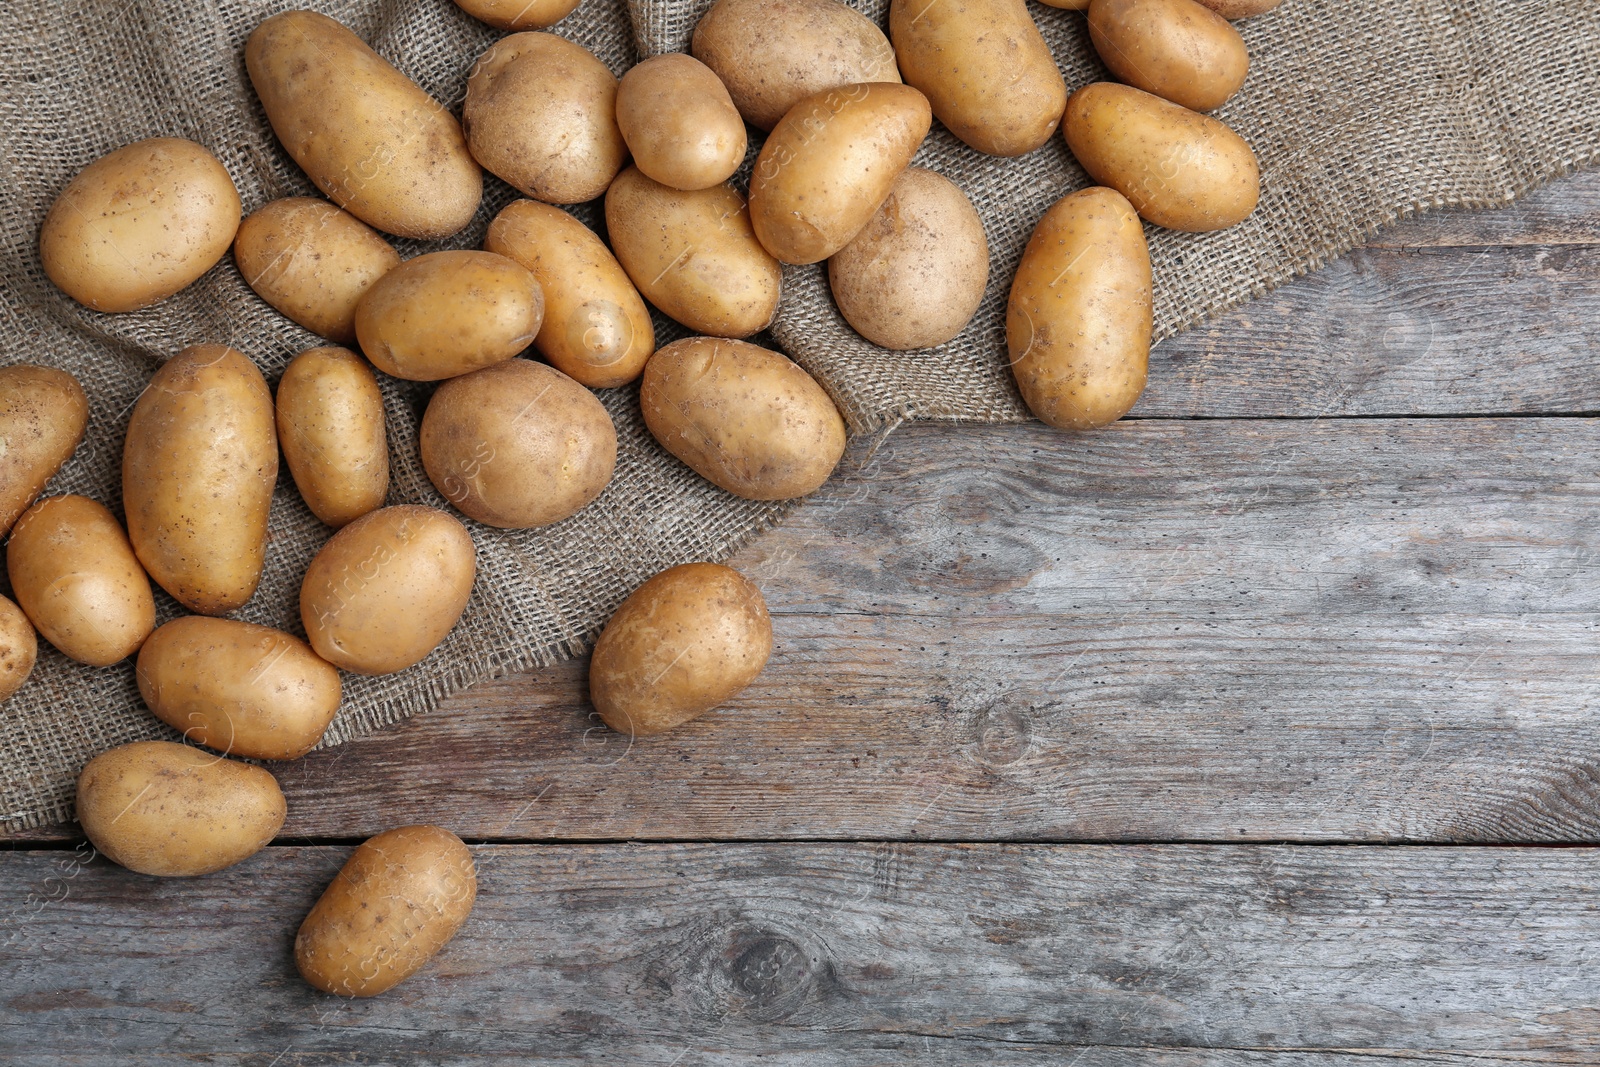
x,y
843,954
1566,211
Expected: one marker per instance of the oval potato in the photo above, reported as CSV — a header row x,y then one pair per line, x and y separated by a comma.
x,y
596,329
519,14
19,648
247,690
170,810
139,224
1079,319
1234,10
1176,49
679,122
1180,169
693,254
202,433
331,426
43,413
399,898
386,589
367,135
75,575
830,163
517,445
312,262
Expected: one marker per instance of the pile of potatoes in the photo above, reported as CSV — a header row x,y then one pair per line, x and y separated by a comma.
x,y
516,443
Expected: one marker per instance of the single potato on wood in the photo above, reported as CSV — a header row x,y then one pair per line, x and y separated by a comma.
x,y
331,425
519,14
679,122
684,642
1176,49
19,648
43,413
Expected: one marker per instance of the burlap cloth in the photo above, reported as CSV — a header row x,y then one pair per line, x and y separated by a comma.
x,y
1359,112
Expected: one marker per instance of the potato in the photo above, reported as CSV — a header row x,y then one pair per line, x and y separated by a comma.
x,y
771,54
312,262
519,14
75,575
138,225
399,898
1241,9
19,648
541,112
744,418
368,136
693,254
985,69
385,590
43,413
679,122
331,426
914,276
1181,170
449,313
1175,49
685,641
170,810
1078,324
596,329
518,444
198,467
247,690
829,165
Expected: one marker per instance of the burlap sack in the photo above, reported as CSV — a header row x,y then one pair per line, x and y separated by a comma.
x,y
1360,113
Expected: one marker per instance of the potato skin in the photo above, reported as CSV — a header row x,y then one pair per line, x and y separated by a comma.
x,y
1181,169
1233,10
985,69
75,575
139,224
685,641
518,445
19,648
693,254
519,14
915,274
173,811
771,54
386,589
331,425
596,329
679,122
43,413
202,432
541,112
744,418
449,313
312,262
399,898
830,163
1176,49
1078,323
243,689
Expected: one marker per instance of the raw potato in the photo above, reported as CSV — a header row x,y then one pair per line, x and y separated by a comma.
x,y
1078,324
771,54
1241,9
198,467
43,413
331,426
385,590
694,255
312,262
742,417
399,898
519,14
138,225
19,648
244,689
170,810
985,69
1176,49
449,313
829,165
368,136
1181,170
541,112
914,276
75,575
679,122
687,640
518,444
596,329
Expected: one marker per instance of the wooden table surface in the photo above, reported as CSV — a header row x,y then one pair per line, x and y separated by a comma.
x,y
1260,728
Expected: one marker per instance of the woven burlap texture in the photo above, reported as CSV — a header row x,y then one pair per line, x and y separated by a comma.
x,y
1360,113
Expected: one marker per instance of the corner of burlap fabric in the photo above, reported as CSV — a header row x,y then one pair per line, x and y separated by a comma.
x,y
1360,114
